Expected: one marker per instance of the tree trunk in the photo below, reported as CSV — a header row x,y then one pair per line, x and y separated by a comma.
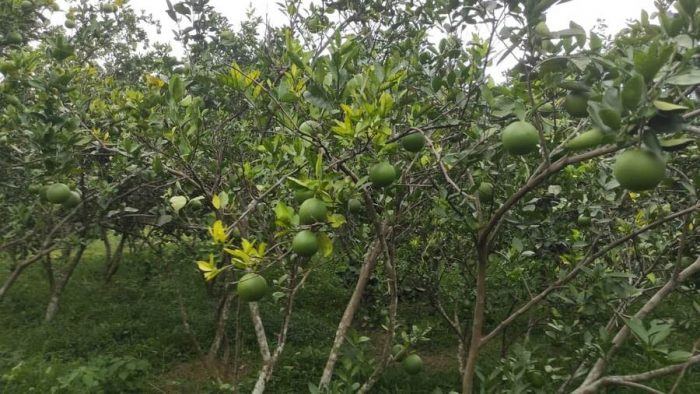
x,y
385,357
114,260
270,359
18,270
367,267
57,291
221,320
477,324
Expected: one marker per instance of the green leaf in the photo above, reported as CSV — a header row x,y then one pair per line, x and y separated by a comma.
x,y
176,88
676,144
283,214
315,95
178,202
691,77
651,141
299,182
223,197
318,168
637,327
668,107
679,356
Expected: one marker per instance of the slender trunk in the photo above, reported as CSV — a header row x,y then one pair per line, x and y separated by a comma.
x,y
477,324
391,327
11,279
221,320
349,313
52,307
18,270
115,259
108,247
259,331
237,345
48,268
270,359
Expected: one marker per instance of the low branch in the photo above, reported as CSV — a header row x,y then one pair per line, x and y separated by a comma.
x,y
535,181
594,375
544,293
634,379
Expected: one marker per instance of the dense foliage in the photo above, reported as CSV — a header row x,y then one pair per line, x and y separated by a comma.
x,y
555,210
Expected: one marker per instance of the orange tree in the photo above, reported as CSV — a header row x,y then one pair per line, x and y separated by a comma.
x,y
560,203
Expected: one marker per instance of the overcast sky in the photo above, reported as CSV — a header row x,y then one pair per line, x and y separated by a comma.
x,y
586,13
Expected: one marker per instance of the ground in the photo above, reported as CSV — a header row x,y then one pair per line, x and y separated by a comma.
x,y
128,336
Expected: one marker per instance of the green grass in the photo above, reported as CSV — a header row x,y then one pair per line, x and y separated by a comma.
x,y
129,333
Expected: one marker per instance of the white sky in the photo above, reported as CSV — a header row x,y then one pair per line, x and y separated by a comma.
x,y
586,13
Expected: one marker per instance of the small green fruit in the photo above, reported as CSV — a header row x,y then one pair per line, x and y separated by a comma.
x,y
584,220
520,138
355,206
638,170
57,193
14,37
252,287
587,140
42,193
73,200
546,108
227,35
576,105
310,127
485,192
107,7
412,364
302,195
542,30
413,142
382,174
395,350
69,23
26,6
312,210
305,243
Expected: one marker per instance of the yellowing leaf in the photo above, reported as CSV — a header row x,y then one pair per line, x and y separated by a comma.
x,y
246,245
216,201
336,220
209,268
218,233
239,255
325,245
261,249
153,81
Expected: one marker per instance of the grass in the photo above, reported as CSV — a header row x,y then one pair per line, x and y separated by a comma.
x,y
128,336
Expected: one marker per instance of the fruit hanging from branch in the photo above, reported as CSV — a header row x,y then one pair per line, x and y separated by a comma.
x,y
638,170
520,138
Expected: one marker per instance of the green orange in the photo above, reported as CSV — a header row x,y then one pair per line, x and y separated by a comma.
x,y
312,211
520,138
305,243
252,287
382,174
638,170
